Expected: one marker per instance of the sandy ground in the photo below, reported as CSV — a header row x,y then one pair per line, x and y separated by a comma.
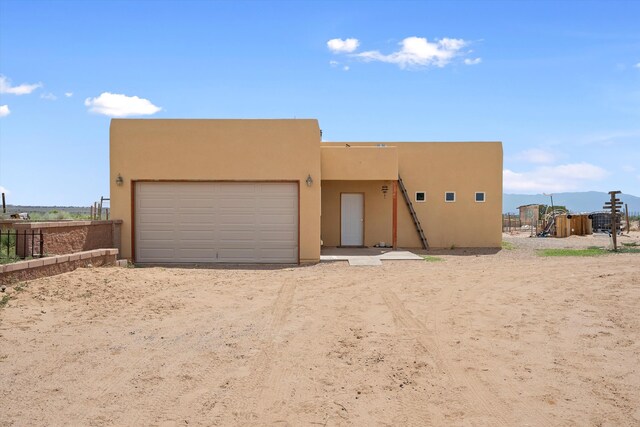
x,y
504,338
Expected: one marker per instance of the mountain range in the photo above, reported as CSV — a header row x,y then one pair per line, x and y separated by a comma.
x,y
587,201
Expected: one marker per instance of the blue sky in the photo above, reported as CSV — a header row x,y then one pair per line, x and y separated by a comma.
x,y
557,82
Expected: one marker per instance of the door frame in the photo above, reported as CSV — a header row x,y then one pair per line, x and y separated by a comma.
x,y
363,219
133,183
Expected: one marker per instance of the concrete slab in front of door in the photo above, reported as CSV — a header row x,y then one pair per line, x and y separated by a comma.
x,y
366,256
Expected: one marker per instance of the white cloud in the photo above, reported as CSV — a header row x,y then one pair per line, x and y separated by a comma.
x,y
4,190
118,105
23,89
573,176
346,68
418,51
343,46
628,168
637,65
536,155
474,61
49,96
68,94
334,63
4,110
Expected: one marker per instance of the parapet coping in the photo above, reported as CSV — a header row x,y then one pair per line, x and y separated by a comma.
x,y
56,259
33,225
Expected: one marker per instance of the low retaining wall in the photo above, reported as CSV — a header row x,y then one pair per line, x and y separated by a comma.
x,y
65,237
50,266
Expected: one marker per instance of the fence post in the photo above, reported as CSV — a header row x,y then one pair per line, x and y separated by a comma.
x,y
41,244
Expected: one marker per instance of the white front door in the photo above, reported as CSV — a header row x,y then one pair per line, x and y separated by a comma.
x,y
352,219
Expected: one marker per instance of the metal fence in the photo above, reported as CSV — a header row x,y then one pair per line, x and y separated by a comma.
x,y
21,244
511,222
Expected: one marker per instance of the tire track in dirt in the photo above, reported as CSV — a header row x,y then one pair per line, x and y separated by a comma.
x,y
262,373
474,391
107,394
415,410
477,388
161,410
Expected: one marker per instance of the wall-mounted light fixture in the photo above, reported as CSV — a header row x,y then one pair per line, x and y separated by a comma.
x,y
119,180
385,188
309,180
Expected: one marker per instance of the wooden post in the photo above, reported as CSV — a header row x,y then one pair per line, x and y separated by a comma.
x,y
614,205
395,215
626,213
614,227
4,206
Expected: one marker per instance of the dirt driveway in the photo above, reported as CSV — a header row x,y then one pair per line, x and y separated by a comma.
x,y
498,339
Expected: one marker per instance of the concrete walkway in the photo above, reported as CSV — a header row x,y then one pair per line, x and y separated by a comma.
x,y
366,256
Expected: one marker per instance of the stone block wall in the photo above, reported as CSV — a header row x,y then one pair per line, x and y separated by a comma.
x,y
66,237
49,266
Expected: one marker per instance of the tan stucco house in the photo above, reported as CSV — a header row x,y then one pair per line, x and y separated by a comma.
x,y
270,191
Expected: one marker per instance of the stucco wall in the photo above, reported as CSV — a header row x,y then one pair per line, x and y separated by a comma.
x,y
359,163
437,167
218,150
378,210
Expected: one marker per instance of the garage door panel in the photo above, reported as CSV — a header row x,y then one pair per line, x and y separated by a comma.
x,y
183,222
186,235
274,219
275,255
160,253
194,252
152,217
156,235
159,203
239,234
240,221
277,204
191,218
236,189
235,203
283,234
193,205
241,254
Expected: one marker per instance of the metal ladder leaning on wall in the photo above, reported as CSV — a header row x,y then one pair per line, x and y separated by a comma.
x,y
416,221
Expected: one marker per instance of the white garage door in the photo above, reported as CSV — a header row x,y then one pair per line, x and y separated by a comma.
x,y
208,222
